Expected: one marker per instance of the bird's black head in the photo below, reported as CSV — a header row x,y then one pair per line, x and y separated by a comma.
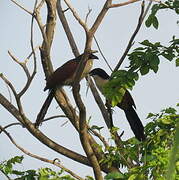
x,y
99,72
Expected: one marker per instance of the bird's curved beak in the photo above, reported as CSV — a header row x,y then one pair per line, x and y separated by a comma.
x,y
92,56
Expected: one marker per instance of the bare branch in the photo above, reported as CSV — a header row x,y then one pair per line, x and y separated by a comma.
x,y
39,157
100,17
147,10
39,135
102,139
9,125
20,6
87,15
84,134
54,117
76,16
132,38
123,3
102,53
22,64
9,84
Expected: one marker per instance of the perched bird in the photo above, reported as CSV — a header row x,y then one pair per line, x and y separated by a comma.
x,y
127,104
63,76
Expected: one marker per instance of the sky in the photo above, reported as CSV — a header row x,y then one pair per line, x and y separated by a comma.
x,y
151,93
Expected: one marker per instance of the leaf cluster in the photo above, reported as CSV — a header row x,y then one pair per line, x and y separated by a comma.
x,y
150,158
120,80
7,167
147,57
143,59
152,18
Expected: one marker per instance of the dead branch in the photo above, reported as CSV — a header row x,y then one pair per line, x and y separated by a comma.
x,y
39,157
39,135
20,6
76,16
9,84
87,15
123,3
9,125
54,117
102,54
101,138
67,29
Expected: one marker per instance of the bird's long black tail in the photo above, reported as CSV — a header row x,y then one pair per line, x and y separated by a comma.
x,y
135,123
44,108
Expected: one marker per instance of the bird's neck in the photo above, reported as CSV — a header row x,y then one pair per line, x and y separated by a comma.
x,y
100,82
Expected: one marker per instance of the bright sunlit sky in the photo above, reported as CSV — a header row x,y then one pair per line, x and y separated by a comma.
x,y
152,92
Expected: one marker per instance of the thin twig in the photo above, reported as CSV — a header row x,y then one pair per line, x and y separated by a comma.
x,y
102,139
20,6
102,53
132,38
123,3
67,29
54,117
5,174
39,157
22,64
9,125
9,84
87,15
147,10
76,16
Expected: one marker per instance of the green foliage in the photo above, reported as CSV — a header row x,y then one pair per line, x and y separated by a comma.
x,y
120,81
42,174
113,176
142,59
151,158
147,57
173,157
152,19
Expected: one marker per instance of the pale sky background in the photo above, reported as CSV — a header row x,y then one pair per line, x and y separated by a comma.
x,y
152,92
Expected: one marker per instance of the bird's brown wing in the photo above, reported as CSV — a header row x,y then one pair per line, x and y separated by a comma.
x,y
62,75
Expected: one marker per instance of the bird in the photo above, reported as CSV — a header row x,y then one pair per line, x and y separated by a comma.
x,y
127,104
63,76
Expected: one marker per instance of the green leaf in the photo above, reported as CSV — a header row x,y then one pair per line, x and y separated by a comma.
x,y
148,22
155,8
113,176
168,56
144,70
147,43
154,60
170,110
150,115
165,120
177,62
155,22
133,177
